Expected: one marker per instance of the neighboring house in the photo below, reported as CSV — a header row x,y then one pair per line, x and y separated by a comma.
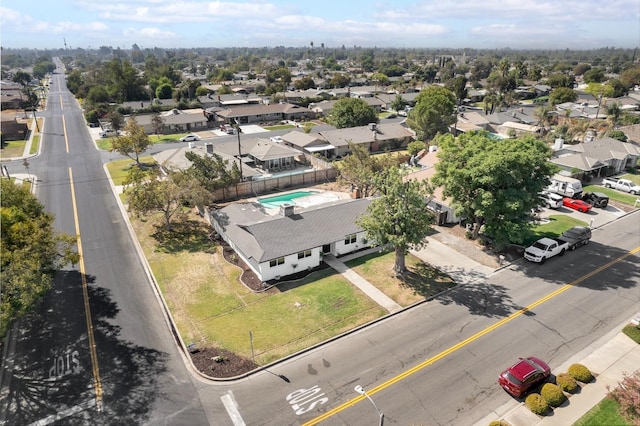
x,y
594,156
438,204
376,137
175,159
176,121
308,142
12,130
632,132
264,113
10,96
275,246
519,129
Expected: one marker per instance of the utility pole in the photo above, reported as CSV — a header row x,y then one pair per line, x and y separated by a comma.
x,y
236,126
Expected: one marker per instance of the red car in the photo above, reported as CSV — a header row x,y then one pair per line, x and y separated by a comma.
x,y
579,205
523,375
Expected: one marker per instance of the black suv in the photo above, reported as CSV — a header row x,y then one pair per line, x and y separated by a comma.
x,y
596,199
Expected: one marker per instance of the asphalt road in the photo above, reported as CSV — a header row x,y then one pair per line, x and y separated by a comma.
x,y
434,364
136,374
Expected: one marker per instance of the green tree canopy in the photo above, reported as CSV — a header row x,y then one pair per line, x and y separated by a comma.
x,y
398,103
351,112
434,112
494,182
134,142
560,95
212,171
31,251
152,193
398,217
359,169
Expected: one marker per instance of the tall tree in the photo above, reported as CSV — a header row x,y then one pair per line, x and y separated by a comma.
x,y
153,192
351,112
398,217
359,169
31,251
134,142
493,182
157,123
212,171
434,112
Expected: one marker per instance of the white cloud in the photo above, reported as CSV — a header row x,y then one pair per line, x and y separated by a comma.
x,y
149,34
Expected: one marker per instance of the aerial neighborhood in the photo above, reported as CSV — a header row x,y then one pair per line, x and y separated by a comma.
x,y
294,195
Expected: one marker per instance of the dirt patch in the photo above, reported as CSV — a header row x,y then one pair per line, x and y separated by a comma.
x,y
220,363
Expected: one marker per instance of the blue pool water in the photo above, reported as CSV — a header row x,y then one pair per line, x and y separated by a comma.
x,y
277,201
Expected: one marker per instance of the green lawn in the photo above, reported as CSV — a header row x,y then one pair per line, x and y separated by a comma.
x,y
35,144
605,413
557,225
212,308
281,127
633,332
12,149
119,169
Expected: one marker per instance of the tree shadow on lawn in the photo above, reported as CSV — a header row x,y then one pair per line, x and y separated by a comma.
x,y
425,280
185,235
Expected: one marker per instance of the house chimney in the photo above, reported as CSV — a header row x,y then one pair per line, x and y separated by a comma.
x,y
286,209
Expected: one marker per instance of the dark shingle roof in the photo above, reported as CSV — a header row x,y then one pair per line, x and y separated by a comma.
x,y
261,237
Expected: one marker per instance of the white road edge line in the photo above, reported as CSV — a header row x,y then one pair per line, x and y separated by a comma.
x,y
229,402
65,413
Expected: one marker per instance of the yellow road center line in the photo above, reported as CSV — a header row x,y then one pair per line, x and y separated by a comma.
x,y
97,384
468,340
66,139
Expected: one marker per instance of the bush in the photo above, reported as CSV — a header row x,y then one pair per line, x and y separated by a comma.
x,y
566,382
536,403
580,373
627,394
499,423
552,394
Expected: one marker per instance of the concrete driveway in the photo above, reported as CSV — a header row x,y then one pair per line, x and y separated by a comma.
x,y
595,218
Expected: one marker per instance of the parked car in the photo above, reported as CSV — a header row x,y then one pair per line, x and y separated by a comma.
x,y
596,199
276,139
108,133
523,375
575,204
544,249
189,138
576,236
551,200
622,185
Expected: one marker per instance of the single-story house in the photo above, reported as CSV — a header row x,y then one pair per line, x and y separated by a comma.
x,y
264,113
12,129
10,95
176,121
275,246
377,137
594,156
308,142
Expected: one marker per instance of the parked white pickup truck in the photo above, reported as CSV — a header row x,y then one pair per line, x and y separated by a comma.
x,y
545,248
622,185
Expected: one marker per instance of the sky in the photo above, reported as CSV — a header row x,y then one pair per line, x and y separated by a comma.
x,y
479,24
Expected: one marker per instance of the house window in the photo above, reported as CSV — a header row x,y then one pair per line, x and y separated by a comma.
x,y
276,262
350,239
303,254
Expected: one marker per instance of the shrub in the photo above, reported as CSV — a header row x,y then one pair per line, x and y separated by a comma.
x,y
499,423
566,382
580,373
552,394
536,403
627,394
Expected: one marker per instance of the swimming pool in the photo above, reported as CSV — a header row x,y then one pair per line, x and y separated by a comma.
x,y
277,201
